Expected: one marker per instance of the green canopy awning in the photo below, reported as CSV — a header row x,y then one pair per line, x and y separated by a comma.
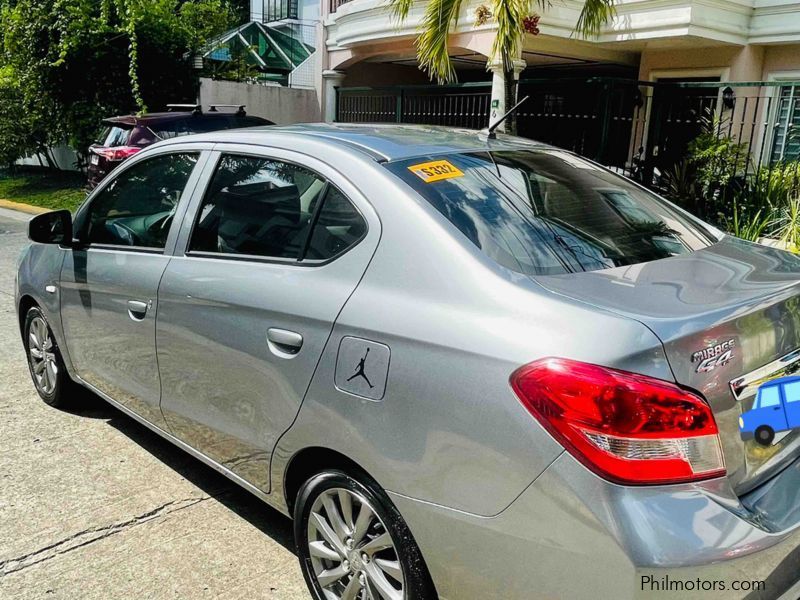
x,y
265,47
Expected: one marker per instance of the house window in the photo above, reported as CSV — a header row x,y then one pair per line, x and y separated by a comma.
x,y
277,10
786,137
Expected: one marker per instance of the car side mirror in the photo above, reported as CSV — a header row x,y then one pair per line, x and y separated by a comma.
x,y
51,228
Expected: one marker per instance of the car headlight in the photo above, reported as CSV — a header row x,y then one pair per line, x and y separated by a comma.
x,y
741,423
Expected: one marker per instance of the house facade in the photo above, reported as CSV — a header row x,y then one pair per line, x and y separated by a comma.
x,y
365,69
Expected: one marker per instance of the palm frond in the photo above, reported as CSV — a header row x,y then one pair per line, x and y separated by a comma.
x,y
594,15
441,17
399,9
509,15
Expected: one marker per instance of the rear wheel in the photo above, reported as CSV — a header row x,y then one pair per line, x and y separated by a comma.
x,y
764,435
44,360
354,545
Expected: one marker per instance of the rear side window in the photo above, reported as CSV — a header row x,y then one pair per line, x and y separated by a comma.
x,y
171,129
202,124
791,391
339,225
542,212
274,209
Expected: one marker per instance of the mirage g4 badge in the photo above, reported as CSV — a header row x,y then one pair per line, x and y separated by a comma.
x,y
713,356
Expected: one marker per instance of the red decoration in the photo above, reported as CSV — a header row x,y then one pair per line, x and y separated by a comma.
x,y
531,24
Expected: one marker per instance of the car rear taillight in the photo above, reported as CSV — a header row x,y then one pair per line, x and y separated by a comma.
x,y
628,428
117,152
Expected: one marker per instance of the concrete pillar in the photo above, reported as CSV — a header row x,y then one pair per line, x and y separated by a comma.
x,y
331,79
498,104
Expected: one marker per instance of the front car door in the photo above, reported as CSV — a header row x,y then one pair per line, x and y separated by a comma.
x,y
109,280
770,408
271,252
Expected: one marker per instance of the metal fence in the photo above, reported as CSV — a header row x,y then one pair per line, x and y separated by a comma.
x,y
640,128
465,105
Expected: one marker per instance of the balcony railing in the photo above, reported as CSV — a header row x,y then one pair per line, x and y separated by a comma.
x,y
335,4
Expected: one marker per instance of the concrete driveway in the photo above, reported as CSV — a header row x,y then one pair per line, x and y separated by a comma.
x,y
94,505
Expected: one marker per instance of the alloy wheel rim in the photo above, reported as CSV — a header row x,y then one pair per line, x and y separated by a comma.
x,y
353,556
41,350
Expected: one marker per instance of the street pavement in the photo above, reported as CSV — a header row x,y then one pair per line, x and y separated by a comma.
x,y
94,505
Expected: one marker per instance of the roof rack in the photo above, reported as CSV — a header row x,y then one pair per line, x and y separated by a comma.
x,y
240,112
195,108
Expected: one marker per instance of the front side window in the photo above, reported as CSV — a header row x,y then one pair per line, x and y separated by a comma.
x,y
137,207
769,397
274,209
542,212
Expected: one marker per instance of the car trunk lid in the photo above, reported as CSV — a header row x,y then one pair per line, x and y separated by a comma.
x,y
729,319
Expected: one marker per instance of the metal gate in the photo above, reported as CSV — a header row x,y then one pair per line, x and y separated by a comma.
x,y
639,128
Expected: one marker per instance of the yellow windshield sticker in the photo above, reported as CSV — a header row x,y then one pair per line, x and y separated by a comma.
x,y
435,171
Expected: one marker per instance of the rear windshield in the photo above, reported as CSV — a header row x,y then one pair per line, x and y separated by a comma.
x,y
114,135
544,212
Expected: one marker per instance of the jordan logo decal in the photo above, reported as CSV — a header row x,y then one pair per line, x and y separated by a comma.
x,y
359,371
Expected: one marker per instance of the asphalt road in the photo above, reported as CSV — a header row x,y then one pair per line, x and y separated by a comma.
x,y
94,505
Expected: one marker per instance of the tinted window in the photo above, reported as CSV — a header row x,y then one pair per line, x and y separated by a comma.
x,y
137,207
339,225
769,397
548,212
114,136
257,206
170,129
791,391
203,123
216,123
264,207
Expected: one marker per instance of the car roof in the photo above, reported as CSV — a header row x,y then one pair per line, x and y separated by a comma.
x,y
164,117
781,381
384,142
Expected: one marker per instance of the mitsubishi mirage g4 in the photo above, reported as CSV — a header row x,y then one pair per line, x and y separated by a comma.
x,y
468,368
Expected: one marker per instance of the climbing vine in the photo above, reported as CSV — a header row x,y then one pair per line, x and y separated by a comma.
x,y
66,64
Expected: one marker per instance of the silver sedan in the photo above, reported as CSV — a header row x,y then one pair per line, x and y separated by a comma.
x,y
467,367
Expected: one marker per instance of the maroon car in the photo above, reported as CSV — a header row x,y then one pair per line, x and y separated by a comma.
x,y
124,136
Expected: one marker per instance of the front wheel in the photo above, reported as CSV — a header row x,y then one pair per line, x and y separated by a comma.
x,y
354,545
44,360
764,435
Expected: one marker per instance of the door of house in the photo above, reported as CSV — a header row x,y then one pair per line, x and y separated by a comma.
x,y
676,118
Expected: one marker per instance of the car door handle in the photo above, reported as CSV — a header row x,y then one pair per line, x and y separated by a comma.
x,y
284,343
137,309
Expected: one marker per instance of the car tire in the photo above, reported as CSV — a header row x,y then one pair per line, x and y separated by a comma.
x,y
45,363
350,536
764,435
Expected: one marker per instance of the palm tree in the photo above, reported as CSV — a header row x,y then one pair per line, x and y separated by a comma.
x,y
441,18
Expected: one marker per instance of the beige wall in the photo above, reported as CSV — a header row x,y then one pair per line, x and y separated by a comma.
x,y
281,105
781,59
734,63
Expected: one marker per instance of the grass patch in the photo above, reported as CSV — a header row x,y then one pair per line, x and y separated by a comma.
x,y
39,187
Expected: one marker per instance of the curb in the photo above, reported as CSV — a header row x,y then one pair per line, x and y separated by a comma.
x,y
26,208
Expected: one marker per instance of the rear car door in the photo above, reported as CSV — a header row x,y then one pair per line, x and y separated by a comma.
x,y
273,249
109,280
791,396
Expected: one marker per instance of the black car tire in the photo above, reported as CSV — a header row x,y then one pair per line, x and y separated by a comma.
x,y
61,392
417,583
764,435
